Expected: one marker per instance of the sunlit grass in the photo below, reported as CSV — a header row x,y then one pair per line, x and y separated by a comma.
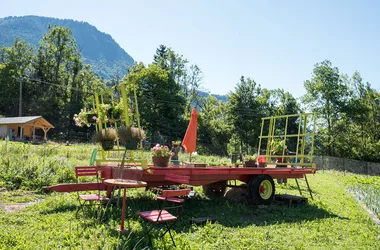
x,y
334,219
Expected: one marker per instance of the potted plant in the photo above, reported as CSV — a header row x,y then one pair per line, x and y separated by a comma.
x,y
106,137
277,148
175,150
250,161
176,143
161,155
130,136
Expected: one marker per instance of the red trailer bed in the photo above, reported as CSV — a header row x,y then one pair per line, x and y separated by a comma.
x,y
259,181
202,176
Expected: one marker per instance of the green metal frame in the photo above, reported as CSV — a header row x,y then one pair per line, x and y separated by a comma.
x,y
116,155
300,154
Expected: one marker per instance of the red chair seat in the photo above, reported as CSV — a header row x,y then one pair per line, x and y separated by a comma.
x,y
152,216
93,197
162,215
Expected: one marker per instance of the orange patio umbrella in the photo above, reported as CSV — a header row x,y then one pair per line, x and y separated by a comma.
x,y
190,140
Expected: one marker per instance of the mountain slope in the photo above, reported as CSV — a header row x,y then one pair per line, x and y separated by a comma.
x,y
99,49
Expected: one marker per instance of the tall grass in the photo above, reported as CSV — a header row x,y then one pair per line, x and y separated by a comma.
x,y
366,190
31,167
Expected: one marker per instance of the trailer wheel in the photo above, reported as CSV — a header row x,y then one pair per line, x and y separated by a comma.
x,y
215,190
261,189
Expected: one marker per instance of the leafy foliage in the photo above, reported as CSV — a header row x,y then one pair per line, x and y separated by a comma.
x,y
159,100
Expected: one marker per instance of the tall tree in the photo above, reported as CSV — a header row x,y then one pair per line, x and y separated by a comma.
x,y
214,128
16,66
246,110
161,57
358,133
326,95
160,104
65,82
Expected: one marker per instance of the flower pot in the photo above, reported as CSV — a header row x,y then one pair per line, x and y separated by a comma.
x,y
160,161
250,164
132,144
108,144
261,162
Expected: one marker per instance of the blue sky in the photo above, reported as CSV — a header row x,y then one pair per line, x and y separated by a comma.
x,y
276,43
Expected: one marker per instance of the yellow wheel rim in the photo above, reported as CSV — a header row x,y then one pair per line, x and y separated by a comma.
x,y
265,189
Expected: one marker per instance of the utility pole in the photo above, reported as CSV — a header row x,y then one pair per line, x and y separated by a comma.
x,y
20,99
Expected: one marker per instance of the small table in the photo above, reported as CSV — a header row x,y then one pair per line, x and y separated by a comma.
x,y
124,183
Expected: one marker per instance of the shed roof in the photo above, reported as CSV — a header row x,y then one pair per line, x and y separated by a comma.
x,y
37,121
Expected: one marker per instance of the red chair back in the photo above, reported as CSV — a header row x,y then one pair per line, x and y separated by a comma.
x,y
175,193
86,171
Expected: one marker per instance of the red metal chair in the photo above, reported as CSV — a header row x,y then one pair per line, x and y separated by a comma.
x,y
162,215
88,198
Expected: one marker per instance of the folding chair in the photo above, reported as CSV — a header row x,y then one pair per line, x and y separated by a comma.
x,y
162,216
88,198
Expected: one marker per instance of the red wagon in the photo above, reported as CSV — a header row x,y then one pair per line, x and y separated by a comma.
x,y
214,180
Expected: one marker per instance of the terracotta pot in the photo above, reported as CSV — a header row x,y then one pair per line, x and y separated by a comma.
x,y
160,161
108,144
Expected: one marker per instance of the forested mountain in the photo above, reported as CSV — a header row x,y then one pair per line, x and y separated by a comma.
x,y
98,49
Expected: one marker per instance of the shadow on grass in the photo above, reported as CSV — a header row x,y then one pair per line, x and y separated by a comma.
x,y
60,209
228,213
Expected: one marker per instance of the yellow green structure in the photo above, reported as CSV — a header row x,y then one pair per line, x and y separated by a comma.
x,y
124,97
295,129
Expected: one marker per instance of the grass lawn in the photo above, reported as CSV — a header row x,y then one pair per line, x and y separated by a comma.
x,y
333,220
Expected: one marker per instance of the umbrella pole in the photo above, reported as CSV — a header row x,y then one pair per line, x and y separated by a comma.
x,y
190,157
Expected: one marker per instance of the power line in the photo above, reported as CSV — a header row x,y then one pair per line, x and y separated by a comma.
x,y
57,85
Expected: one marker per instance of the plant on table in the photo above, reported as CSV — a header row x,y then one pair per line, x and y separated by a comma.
x,y
277,147
161,151
250,157
161,155
250,160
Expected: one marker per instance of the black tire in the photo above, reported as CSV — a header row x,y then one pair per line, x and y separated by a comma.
x,y
215,190
258,196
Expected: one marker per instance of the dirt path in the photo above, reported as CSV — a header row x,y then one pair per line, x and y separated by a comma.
x,y
16,207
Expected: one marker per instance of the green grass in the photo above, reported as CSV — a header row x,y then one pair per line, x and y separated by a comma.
x,y
334,219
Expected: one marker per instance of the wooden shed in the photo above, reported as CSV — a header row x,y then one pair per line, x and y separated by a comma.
x,y
24,127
